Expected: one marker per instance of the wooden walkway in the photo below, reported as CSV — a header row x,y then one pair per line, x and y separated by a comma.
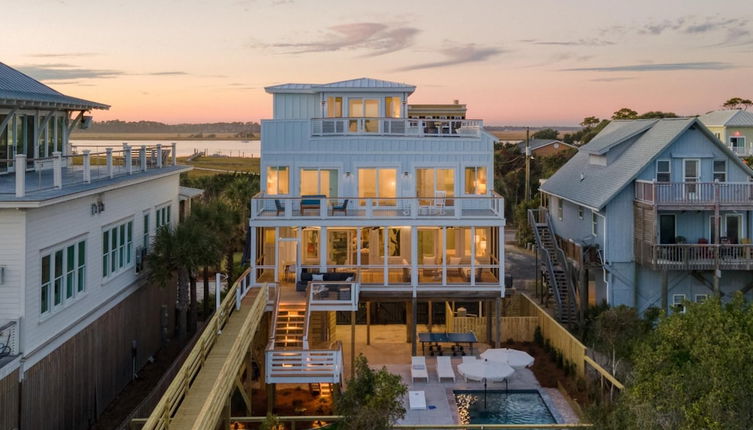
x,y
203,403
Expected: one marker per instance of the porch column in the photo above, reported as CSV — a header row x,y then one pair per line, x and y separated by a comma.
x,y
20,166
159,155
444,255
717,276
501,258
277,254
323,249
57,170
142,158
252,255
110,172
413,259
174,154
498,321
430,316
87,167
271,391
127,158
473,255
414,315
408,316
368,323
352,344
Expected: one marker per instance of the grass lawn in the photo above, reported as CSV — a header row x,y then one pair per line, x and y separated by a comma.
x,y
231,164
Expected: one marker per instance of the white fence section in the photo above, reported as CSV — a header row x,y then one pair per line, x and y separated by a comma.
x,y
368,126
304,366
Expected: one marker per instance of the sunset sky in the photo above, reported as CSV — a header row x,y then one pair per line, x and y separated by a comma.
x,y
512,62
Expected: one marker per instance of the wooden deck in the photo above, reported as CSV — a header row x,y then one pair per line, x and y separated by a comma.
x,y
205,400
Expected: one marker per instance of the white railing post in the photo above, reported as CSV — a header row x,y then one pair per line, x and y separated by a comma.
x,y
237,299
369,208
174,154
110,172
217,298
57,170
87,162
127,159
159,155
20,166
142,157
323,207
288,205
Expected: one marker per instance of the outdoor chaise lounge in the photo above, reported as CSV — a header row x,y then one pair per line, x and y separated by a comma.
x,y
417,399
418,369
444,368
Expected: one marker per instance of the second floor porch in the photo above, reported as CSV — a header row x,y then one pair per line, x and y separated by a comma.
x,y
694,195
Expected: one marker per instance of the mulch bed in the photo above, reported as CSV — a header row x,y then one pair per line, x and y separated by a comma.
x,y
547,373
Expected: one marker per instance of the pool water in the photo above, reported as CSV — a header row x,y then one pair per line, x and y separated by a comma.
x,y
502,407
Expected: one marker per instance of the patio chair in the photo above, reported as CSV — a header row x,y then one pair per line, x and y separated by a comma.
x,y
418,369
280,208
444,368
342,207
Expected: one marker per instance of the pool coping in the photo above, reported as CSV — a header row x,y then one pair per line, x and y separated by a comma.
x,y
558,419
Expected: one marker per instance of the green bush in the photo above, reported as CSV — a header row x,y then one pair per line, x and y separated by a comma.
x,y
538,337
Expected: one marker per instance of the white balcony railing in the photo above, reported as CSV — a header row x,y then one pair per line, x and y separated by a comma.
x,y
490,205
304,366
396,127
9,341
694,193
33,175
333,296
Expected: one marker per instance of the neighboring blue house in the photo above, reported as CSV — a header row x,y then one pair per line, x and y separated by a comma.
x,y
667,205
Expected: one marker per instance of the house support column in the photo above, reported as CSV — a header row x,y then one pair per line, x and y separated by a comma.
x,y
368,323
430,317
665,291
352,343
717,276
498,321
271,391
583,290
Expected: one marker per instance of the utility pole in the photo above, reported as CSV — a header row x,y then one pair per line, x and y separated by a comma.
x,y
528,163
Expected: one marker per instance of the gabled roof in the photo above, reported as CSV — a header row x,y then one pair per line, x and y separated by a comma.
x,y
594,186
16,89
351,85
535,144
728,118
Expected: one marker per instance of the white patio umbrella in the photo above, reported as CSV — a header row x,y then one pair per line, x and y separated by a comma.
x,y
480,370
512,357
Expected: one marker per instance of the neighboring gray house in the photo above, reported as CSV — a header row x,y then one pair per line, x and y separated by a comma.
x,y
667,205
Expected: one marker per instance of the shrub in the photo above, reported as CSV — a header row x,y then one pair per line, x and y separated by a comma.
x,y
538,337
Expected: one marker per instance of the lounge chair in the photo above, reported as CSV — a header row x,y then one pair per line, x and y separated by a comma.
x,y
417,399
342,207
444,368
280,208
418,369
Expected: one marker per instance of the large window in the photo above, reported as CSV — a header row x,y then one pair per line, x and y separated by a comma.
x,y
475,180
117,248
720,170
278,180
691,173
363,108
334,107
432,183
162,216
663,171
380,184
63,275
319,182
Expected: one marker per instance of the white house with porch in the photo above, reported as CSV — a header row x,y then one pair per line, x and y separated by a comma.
x,y
362,204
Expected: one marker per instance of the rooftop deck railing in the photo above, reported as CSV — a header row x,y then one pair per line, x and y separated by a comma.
x,y
694,193
368,126
34,175
320,207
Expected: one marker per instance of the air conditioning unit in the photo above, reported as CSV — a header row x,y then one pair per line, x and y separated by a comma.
x,y
86,122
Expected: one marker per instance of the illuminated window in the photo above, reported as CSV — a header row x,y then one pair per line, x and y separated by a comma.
x,y
380,184
430,182
334,107
319,182
277,180
475,180
392,107
737,144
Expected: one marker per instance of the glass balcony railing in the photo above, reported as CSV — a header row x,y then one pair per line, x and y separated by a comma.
x,y
396,127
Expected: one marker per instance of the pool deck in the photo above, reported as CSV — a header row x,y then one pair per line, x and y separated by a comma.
x,y
388,349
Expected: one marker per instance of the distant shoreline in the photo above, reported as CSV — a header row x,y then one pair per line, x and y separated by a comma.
x,y
158,136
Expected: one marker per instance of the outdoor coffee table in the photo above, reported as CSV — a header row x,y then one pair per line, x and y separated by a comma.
x,y
458,340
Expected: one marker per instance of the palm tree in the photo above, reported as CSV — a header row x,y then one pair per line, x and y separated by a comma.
x,y
181,251
238,195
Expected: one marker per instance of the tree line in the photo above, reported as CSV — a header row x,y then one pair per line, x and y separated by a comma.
x,y
118,126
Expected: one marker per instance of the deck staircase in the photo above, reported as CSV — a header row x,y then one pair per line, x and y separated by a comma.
x,y
554,267
290,322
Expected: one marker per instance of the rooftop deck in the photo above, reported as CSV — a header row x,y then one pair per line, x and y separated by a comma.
x,y
59,176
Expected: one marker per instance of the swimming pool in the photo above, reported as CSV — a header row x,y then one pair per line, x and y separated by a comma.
x,y
502,407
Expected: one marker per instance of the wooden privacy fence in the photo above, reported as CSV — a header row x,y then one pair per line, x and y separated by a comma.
x,y
523,316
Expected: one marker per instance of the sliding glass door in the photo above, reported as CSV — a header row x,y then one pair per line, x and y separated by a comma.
x,y
319,182
435,183
379,184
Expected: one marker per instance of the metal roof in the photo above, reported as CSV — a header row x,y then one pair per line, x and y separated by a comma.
x,y
17,88
350,85
594,186
728,118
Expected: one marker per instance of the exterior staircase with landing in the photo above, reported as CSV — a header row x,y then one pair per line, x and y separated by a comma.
x,y
554,267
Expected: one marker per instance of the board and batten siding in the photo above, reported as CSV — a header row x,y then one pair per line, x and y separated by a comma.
x,y
620,227
12,231
296,106
60,223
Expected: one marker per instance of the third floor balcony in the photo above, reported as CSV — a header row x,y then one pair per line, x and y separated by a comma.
x,y
405,127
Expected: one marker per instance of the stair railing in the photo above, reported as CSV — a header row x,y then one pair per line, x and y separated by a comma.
x,y
561,255
307,318
533,214
273,332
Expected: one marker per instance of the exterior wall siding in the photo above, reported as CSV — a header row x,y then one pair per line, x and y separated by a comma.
x,y
620,227
296,106
52,225
9,402
12,246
